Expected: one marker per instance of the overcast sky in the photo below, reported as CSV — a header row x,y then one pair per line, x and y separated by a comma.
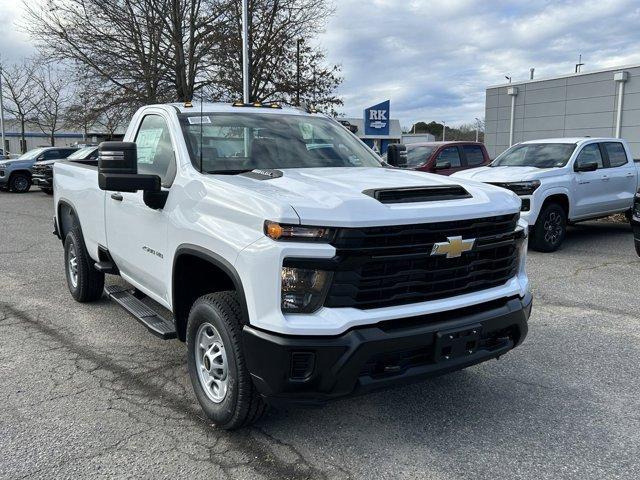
x,y
434,59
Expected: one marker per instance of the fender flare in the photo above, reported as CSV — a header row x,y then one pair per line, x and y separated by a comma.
x,y
219,262
58,220
557,191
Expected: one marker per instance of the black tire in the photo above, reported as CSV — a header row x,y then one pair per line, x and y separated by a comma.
x,y
48,191
550,229
241,405
20,183
87,284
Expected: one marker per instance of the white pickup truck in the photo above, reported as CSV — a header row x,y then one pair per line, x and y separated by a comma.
x,y
295,264
562,181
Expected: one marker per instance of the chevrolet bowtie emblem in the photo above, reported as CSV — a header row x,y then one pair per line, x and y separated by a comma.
x,y
454,247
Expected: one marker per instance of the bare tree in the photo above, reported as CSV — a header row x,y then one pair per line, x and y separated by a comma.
x,y
276,27
148,51
51,100
112,118
19,86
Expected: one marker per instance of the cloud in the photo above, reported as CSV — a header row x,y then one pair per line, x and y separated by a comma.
x,y
434,59
14,45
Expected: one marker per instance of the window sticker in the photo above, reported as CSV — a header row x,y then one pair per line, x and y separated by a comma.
x,y
198,120
147,143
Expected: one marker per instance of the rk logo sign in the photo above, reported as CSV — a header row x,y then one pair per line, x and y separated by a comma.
x,y
376,119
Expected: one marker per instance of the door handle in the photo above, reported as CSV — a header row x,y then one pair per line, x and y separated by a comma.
x,y
117,196
605,179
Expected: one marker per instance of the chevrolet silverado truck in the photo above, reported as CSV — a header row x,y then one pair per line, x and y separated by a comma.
x,y
297,267
42,171
563,181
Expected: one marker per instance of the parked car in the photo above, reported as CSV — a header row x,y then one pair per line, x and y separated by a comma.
x,y
15,175
635,221
42,172
564,180
445,158
297,268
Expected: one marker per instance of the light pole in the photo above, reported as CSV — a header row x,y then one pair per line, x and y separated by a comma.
x,y
298,43
477,129
444,128
245,51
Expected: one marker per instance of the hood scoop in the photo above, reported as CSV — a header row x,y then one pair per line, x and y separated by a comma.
x,y
418,194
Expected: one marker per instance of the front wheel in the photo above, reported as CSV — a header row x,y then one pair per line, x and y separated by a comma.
x,y
550,229
20,183
84,281
216,364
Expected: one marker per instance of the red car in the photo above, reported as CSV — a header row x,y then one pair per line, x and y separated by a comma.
x,y
446,158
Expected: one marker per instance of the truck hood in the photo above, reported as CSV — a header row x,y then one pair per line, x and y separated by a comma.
x,y
507,174
334,196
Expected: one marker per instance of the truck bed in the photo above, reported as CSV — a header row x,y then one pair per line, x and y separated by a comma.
x,y
77,184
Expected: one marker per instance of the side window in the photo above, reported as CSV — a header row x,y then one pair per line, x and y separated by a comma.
x,y
154,148
51,154
450,155
616,153
590,153
474,155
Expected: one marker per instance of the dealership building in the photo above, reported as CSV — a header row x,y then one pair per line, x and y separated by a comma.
x,y
603,103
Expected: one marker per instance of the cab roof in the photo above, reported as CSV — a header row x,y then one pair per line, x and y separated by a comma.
x,y
219,107
573,140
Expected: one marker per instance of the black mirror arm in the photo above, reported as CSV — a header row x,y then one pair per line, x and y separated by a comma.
x,y
155,199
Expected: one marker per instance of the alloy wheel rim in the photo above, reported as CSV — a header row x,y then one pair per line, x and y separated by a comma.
x,y
73,265
552,228
21,184
211,363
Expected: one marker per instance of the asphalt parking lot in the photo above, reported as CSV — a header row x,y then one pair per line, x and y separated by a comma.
x,y
86,392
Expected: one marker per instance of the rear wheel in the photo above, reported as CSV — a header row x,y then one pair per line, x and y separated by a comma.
x,y
216,364
84,281
19,183
550,229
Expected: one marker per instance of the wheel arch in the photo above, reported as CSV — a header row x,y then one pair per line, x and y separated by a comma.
x,y
560,197
66,216
24,171
197,271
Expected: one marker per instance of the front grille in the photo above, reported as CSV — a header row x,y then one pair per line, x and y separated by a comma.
x,y
42,170
385,266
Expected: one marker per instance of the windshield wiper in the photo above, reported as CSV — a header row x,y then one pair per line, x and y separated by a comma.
x,y
229,172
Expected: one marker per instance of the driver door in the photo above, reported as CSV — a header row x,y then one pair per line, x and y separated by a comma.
x,y
137,234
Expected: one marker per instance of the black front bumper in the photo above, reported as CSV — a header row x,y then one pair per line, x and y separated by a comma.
x,y
42,181
313,370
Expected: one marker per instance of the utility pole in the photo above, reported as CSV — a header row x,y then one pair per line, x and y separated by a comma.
x,y
4,153
444,128
579,65
298,42
245,52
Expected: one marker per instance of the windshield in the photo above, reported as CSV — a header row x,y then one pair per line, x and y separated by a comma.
x,y
418,155
82,153
31,154
540,155
235,142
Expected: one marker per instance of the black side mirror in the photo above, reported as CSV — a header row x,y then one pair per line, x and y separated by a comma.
x,y
118,169
397,155
442,166
586,166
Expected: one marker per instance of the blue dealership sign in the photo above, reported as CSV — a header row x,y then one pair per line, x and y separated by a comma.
x,y
376,119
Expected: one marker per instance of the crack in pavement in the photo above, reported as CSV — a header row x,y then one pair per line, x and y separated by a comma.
x,y
252,445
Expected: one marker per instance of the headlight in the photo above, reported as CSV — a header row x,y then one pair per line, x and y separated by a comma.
x,y
277,231
521,188
303,290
